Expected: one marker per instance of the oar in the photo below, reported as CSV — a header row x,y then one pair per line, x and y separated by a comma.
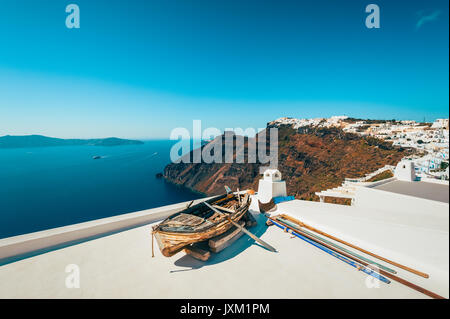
x,y
371,262
242,228
330,251
356,247
381,272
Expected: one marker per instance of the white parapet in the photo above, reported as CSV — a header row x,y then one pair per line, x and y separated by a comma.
x,y
271,186
52,238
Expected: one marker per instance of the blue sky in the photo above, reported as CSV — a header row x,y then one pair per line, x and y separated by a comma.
x,y
138,69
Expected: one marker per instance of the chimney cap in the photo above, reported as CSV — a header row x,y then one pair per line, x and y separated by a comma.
x,y
273,175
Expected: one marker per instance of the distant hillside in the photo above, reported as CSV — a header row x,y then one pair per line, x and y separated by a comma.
x,y
9,141
310,158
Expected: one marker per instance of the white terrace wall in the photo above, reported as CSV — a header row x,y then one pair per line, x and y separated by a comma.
x,y
28,243
402,204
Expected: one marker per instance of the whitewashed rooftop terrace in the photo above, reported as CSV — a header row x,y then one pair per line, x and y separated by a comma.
x,y
121,265
432,191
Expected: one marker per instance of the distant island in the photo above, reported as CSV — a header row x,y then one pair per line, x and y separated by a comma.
x,y
24,141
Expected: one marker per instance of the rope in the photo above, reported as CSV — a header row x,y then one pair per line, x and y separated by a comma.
x,y
153,254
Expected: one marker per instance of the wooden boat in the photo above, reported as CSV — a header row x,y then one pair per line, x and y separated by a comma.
x,y
199,222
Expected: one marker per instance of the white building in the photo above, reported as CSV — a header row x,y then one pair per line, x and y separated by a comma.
x,y
440,123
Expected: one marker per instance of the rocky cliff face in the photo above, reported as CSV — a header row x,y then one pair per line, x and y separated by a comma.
x,y
310,158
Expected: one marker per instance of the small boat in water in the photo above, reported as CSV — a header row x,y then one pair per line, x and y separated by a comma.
x,y
200,222
96,157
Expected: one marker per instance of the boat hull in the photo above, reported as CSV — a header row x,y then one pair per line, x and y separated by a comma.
x,y
171,243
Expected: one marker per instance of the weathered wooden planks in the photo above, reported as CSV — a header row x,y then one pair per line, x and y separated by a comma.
x,y
250,234
223,241
219,243
178,230
232,211
197,252
185,220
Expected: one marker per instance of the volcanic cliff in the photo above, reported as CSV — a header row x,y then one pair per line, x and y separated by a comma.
x,y
310,158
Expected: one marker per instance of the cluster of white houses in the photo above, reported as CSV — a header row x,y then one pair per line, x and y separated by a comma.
x,y
432,139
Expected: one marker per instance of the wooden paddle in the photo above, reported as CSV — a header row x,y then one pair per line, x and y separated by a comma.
x,y
362,262
355,247
242,228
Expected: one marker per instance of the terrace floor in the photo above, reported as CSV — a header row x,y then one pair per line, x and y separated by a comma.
x,y
121,265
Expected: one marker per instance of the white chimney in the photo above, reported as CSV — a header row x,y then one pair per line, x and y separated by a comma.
x,y
271,186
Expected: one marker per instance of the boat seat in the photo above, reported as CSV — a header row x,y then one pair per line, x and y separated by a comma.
x,y
185,220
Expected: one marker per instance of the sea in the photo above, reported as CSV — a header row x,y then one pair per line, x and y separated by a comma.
x,y
48,187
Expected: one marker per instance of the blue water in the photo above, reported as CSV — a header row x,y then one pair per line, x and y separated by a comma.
x,y
42,188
